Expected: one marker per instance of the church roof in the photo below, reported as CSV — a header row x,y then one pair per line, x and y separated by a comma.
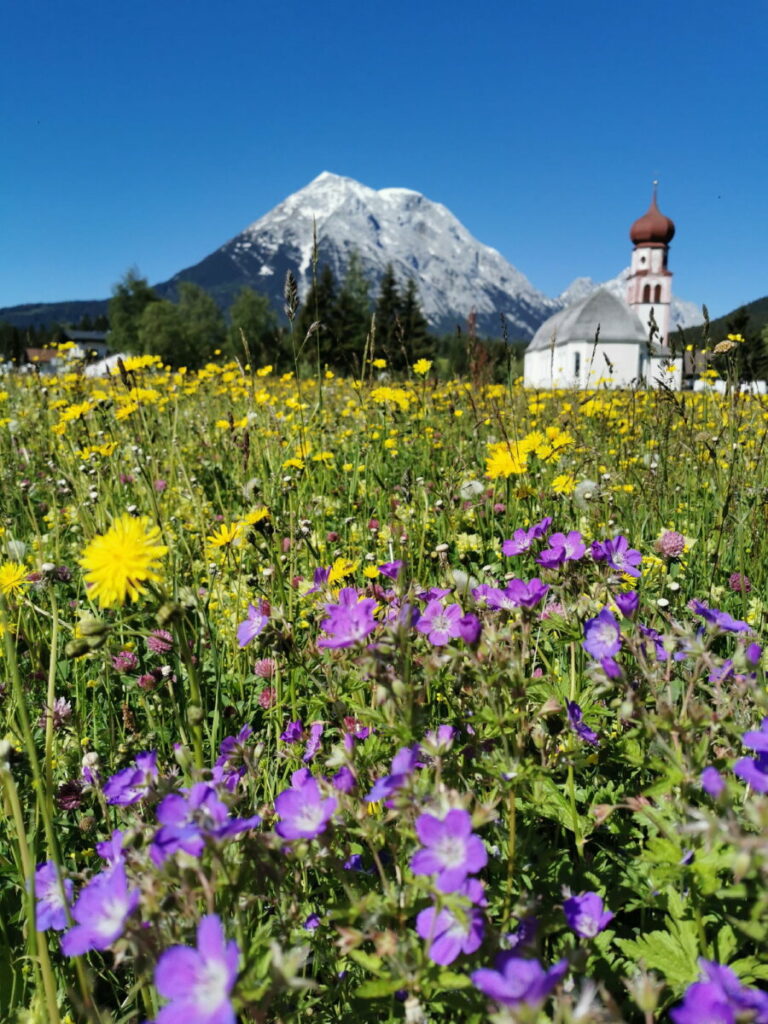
x,y
653,228
617,322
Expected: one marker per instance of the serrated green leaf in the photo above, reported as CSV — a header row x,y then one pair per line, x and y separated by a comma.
x,y
674,956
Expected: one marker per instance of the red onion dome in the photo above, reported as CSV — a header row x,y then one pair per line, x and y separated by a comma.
x,y
653,228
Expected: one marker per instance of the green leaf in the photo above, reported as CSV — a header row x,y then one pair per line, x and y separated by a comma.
x,y
673,955
370,961
377,988
452,980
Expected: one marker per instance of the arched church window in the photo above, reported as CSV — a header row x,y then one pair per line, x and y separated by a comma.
x,y
657,293
647,293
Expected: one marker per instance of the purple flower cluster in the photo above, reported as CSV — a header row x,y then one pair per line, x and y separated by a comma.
x,y
720,998
254,622
350,621
719,620
563,547
522,540
518,982
189,820
133,783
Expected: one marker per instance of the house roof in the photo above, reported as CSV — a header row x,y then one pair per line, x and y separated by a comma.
x,y
579,322
40,355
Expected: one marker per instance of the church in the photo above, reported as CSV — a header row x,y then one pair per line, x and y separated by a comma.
x,y
604,341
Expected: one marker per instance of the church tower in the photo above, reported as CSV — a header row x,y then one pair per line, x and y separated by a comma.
x,y
649,286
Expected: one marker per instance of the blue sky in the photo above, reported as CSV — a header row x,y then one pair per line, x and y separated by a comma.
x,y
148,134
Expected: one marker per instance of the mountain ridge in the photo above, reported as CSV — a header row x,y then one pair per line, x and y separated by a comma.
x,y
333,215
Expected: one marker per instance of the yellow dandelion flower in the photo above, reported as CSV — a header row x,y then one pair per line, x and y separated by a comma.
x,y
379,364
13,576
224,536
422,367
256,516
120,560
564,484
341,567
504,459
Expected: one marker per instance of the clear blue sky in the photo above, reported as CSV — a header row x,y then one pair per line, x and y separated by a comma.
x,y
149,133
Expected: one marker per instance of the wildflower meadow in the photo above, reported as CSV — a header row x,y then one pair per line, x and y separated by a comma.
x,y
380,699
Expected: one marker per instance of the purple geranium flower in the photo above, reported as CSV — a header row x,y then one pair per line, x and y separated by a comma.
x,y
720,998
293,732
187,821
349,621
199,981
469,628
53,897
111,850
602,635
517,981
586,915
452,931
719,620
391,569
251,626
451,850
132,784
439,624
576,722
755,770
527,595
404,763
313,743
712,782
304,812
621,557
100,912
522,540
562,548
627,603
231,763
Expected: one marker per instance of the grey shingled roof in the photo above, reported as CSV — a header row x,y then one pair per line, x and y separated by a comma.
x,y
580,321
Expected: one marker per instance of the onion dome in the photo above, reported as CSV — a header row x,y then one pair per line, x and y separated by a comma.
x,y
653,228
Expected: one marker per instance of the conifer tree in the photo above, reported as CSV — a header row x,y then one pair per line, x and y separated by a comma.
x,y
388,331
352,317
319,307
416,337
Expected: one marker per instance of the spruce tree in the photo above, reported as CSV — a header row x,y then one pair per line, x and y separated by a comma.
x,y
416,338
319,308
352,317
388,328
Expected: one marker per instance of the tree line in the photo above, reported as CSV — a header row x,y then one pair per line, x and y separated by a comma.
x,y
335,325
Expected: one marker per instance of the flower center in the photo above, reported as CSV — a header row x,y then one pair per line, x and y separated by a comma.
x,y
212,988
451,851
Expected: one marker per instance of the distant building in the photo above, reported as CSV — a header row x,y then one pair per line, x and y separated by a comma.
x,y
607,341
89,345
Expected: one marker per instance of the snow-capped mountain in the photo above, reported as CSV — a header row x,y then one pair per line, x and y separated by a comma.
x,y
422,239
454,272
681,314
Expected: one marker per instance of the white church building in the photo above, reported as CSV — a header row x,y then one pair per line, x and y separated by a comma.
x,y
604,341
